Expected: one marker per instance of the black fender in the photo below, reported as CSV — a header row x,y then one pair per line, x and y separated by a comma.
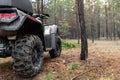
x,y
16,24
25,24
32,26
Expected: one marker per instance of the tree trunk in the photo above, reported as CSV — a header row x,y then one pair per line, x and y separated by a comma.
x,y
38,6
41,6
77,24
55,20
92,30
114,29
114,24
106,18
98,24
78,29
84,44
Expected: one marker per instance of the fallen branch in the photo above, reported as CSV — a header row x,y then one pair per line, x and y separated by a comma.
x,y
82,74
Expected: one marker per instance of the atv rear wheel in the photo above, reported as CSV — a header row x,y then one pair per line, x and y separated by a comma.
x,y
28,56
56,52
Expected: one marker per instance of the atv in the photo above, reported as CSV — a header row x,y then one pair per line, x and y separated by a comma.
x,y
24,37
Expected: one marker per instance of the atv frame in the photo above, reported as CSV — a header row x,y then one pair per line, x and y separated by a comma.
x,y
24,37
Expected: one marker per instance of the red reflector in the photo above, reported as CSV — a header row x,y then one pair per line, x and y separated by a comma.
x,y
32,18
5,15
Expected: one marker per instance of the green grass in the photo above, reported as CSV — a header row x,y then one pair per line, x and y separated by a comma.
x,y
73,66
49,76
68,44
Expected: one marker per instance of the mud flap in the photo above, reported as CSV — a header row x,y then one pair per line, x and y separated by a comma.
x,y
50,37
50,42
53,41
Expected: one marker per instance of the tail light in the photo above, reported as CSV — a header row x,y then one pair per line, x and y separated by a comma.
x,y
7,17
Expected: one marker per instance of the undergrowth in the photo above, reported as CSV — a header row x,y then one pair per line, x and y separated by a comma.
x,y
49,76
68,45
73,66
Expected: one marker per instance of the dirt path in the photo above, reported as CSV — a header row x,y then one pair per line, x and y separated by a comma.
x,y
103,64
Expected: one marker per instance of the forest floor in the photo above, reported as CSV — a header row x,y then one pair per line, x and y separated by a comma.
x,y
103,64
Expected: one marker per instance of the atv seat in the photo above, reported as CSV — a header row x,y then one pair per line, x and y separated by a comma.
x,y
42,16
24,5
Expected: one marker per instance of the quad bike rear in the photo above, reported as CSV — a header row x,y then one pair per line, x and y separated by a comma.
x,y
24,37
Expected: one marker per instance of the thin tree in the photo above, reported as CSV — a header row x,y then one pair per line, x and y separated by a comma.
x,y
55,20
106,18
98,21
38,6
77,23
92,20
98,25
84,44
41,6
113,20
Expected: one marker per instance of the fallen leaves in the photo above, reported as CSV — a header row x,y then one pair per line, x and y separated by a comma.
x,y
103,64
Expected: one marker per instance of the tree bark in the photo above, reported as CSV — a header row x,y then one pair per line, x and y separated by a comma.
x,y
41,6
55,19
106,18
77,27
77,23
92,30
98,24
38,6
84,44
114,28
